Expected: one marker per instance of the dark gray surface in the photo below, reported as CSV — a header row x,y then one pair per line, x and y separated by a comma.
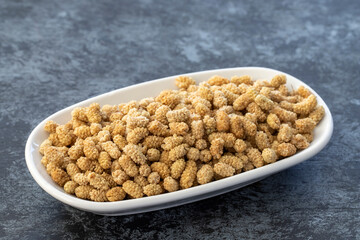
x,y
53,55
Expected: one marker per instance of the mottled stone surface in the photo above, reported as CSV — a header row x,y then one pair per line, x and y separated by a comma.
x,y
55,54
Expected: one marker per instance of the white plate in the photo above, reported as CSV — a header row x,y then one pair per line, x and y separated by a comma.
x,y
322,136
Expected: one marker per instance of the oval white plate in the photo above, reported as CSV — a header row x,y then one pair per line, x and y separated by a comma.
x,y
322,136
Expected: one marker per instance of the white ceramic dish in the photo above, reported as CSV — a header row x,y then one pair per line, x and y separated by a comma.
x,y
322,136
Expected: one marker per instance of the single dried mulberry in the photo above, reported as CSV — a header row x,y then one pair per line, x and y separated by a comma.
x,y
59,176
300,142
137,134
189,174
222,121
154,178
286,149
285,133
135,152
153,189
273,121
133,189
178,151
184,82
104,160
144,170
112,149
305,125
255,157
264,103
278,80
284,115
240,145
170,184
246,79
82,131
98,181
119,176
223,169
128,165
217,80
233,161
269,155
177,168
141,180
172,142
197,129
193,154
160,168
179,128
158,129
83,191
317,114
50,126
306,106
120,141
115,194
160,114
205,174
70,187
217,147
90,149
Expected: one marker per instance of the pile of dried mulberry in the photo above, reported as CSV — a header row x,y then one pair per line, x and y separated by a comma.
x,y
179,139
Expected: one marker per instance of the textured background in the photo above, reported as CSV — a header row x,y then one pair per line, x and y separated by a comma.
x,y
53,55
